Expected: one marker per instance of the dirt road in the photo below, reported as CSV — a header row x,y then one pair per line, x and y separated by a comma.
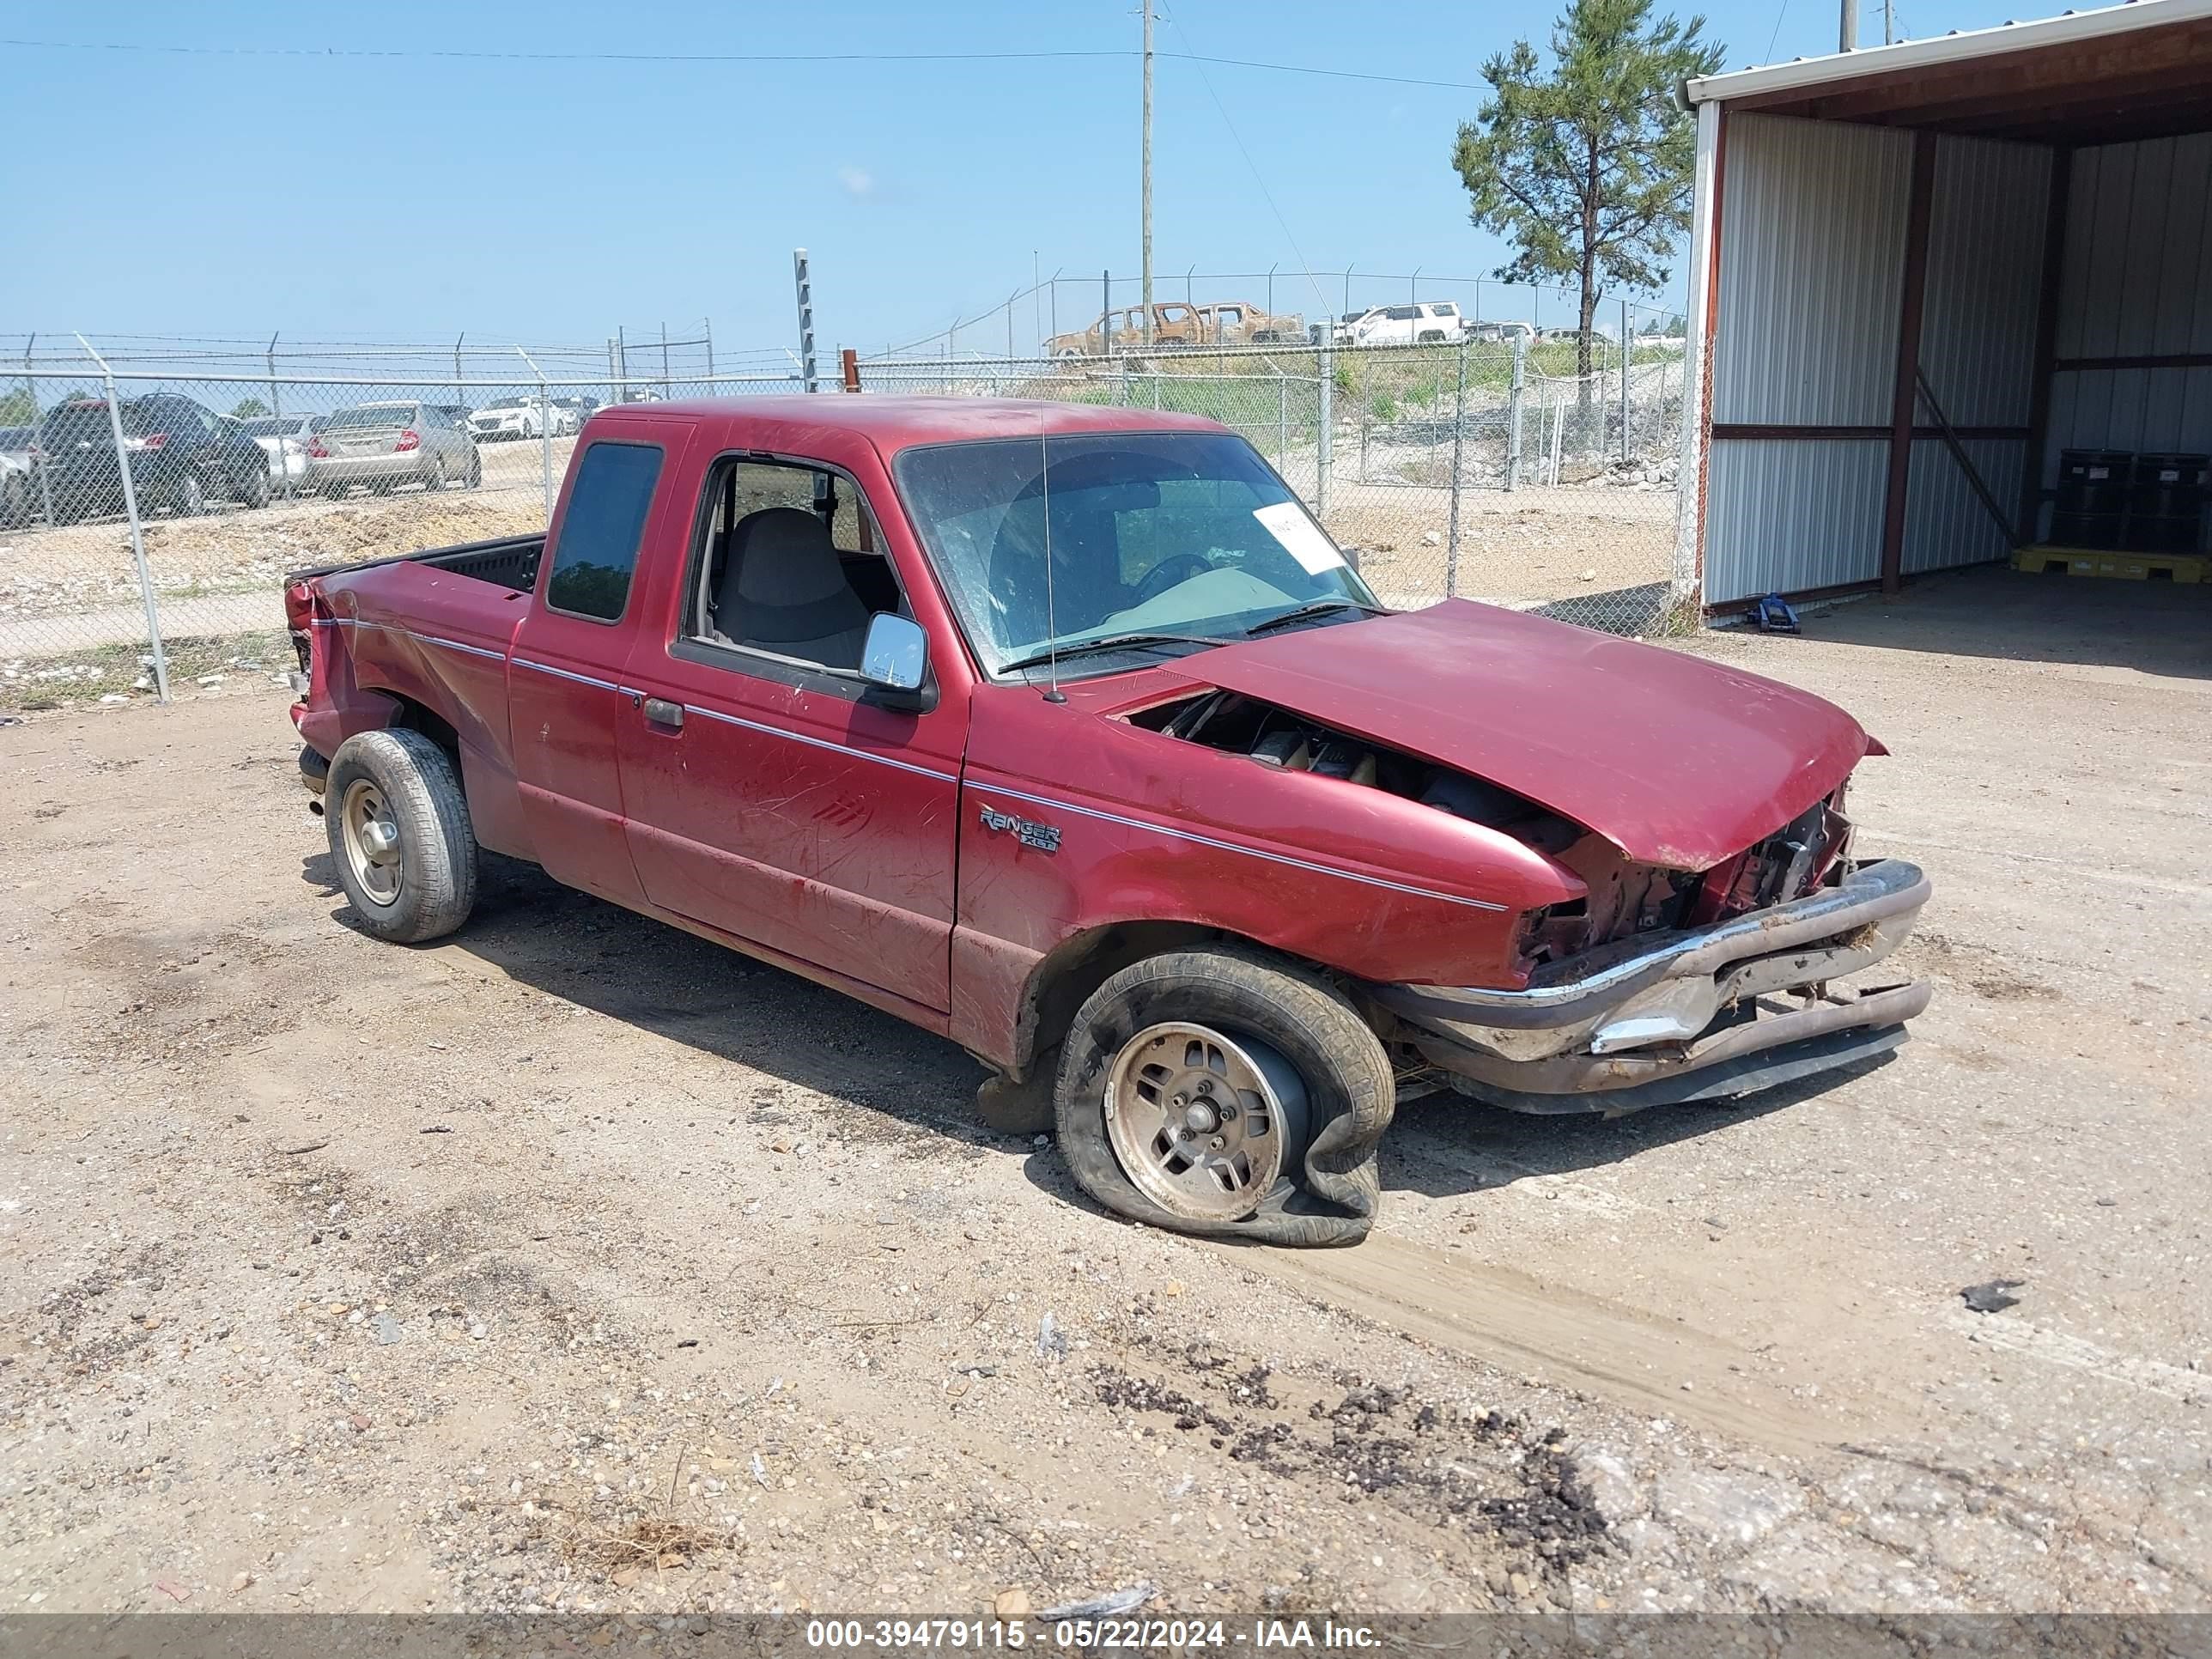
x,y
571,1263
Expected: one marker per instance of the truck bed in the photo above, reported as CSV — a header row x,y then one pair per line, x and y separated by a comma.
x,y
509,562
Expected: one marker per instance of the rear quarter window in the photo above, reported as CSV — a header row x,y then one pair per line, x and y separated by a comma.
x,y
597,553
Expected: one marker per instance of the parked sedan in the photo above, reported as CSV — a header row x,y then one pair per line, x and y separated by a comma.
x,y
384,445
507,418
284,440
182,457
569,415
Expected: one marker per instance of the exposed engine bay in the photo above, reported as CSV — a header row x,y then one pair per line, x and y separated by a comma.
x,y
1626,898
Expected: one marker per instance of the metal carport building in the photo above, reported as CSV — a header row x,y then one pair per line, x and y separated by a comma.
x,y
1919,273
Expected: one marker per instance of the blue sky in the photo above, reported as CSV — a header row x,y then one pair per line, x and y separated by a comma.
x,y
413,198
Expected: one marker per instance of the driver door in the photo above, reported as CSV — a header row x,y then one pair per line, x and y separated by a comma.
x,y
772,793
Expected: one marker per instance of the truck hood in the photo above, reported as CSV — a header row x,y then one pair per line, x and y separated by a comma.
x,y
1677,761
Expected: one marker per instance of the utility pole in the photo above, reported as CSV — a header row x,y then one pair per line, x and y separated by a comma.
x,y
1889,22
1144,189
1847,28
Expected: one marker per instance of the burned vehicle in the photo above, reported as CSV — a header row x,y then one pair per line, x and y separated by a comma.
x,y
1068,734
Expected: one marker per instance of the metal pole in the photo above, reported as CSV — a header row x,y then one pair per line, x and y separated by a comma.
x,y
1324,446
1889,22
457,339
1347,291
706,326
1036,298
1106,313
1847,27
806,318
621,366
31,390
1010,298
1270,290
1459,438
277,413
1627,360
663,360
1146,189
1513,409
1413,287
544,434
1282,423
137,530
1053,300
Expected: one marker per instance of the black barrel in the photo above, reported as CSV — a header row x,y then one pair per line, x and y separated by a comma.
x,y
2092,497
2166,503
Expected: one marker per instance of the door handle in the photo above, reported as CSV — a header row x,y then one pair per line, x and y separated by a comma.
x,y
661,711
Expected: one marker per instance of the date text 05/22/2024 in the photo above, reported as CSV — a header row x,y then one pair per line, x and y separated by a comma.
x,y
1174,1634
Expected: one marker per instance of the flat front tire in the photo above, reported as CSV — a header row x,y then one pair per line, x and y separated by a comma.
x,y
399,836
1226,1093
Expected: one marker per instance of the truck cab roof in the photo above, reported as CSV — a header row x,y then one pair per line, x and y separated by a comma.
x,y
892,424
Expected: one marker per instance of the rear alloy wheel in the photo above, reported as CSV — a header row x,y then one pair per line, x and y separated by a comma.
x,y
188,500
434,476
399,836
1226,1091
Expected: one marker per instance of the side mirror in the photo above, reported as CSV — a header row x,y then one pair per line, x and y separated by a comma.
x,y
894,658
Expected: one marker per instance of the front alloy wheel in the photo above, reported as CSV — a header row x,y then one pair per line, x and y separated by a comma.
x,y
1204,1124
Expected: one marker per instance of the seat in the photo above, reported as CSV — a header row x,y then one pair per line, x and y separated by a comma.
x,y
784,590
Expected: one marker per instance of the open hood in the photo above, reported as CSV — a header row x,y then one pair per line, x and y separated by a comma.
x,y
1677,761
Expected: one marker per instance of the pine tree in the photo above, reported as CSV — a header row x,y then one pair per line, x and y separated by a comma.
x,y
1586,170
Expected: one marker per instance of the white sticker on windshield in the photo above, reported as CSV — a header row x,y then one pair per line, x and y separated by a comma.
x,y
1300,535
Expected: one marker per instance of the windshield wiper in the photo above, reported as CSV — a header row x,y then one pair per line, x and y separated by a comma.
x,y
1110,643
1318,608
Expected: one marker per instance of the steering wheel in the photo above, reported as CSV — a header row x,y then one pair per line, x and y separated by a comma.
x,y
1175,568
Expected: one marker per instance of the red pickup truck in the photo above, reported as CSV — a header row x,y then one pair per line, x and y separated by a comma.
x,y
1068,734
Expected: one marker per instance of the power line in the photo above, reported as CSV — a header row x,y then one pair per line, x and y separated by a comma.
x,y
420,53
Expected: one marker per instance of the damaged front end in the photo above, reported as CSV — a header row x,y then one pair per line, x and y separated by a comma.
x,y
1675,973
1745,985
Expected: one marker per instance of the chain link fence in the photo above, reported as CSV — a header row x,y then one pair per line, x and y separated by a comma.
x,y
1487,470
147,516
148,511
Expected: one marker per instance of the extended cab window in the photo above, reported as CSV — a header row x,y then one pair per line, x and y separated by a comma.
x,y
789,566
597,553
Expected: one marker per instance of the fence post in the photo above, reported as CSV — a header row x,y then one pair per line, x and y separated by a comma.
x,y
137,531
544,433
1627,357
1459,438
1513,409
31,390
1324,443
1282,421
277,413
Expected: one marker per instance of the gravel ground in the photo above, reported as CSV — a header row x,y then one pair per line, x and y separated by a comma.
x,y
571,1262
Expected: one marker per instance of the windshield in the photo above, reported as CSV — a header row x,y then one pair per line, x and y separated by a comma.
x,y
1183,533
373,415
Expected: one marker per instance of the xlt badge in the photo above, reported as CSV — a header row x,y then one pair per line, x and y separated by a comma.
x,y
1044,837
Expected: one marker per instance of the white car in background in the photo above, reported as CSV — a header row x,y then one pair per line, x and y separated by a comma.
x,y
284,440
1430,322
507,418
570,413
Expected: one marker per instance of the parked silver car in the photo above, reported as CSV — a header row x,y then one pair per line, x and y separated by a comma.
x,y
384,445
19,486
284,439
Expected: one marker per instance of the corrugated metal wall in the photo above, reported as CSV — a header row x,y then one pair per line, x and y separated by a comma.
x,y
1813,232
1812,250
2137,283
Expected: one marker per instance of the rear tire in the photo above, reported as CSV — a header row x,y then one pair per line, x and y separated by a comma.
x,y
434,476
187,500
474,474
399,836
254,492
1267,1014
